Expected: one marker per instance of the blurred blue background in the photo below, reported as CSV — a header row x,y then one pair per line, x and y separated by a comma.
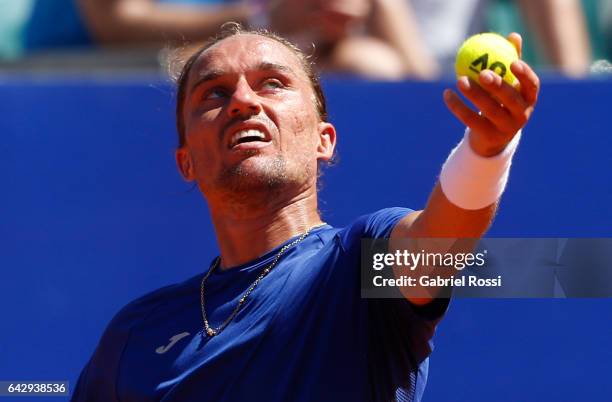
x,y
95,214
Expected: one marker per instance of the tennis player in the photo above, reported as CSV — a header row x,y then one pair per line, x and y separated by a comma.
x,y
277,316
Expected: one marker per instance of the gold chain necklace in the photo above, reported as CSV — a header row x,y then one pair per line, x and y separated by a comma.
x,y
215,331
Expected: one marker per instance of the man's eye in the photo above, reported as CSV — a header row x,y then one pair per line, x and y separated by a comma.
x,y
272,84
215,93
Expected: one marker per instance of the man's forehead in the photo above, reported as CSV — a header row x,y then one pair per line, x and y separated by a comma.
x,y
243,52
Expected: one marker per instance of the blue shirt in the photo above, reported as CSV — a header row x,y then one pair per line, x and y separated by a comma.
x,y
304,334
55,23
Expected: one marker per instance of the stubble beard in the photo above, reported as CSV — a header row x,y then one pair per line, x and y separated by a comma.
x,y
267,178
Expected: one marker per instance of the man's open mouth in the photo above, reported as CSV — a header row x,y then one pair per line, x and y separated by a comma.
x,y
246,136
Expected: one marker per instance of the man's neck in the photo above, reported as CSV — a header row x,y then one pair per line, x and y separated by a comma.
x,y
253,232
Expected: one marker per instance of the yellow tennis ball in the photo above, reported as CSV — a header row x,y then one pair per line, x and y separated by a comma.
x,y
486,51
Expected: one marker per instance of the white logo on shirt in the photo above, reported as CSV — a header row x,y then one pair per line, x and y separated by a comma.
x,y
163,349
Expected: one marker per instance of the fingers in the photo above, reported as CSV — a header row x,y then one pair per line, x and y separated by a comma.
x,y
529,81
517,41
466,115
490,107
504,109
509,97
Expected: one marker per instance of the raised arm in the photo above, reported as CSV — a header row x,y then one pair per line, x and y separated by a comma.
x,y
146,21
504,111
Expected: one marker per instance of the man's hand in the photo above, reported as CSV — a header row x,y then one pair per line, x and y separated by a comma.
x,y
504,110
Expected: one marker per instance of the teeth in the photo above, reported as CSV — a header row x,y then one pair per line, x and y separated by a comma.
x,y
247,133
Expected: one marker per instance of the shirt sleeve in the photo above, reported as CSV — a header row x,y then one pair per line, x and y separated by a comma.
x,y
424,318
79,390
380,224
98,380
377,225
399,332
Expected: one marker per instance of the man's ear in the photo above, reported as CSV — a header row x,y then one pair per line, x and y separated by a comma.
x,y
327,141
185,164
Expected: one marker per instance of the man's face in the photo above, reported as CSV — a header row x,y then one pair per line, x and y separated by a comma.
x,y
250,120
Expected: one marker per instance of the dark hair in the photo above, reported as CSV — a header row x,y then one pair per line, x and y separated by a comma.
x,y
231,29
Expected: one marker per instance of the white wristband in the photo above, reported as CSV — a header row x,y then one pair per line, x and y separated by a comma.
x,y
471,181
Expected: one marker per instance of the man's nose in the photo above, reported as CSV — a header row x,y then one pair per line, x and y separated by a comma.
x,y
244,101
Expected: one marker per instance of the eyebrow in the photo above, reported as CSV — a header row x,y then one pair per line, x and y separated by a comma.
x,y
267,66
214,74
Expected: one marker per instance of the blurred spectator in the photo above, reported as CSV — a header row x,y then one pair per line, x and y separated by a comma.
x,y
43,24
12,17
558,27
380,39
443,25
371,38
606,24
395,22
419,38
150,21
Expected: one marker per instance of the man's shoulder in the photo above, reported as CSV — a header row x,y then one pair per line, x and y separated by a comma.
x,y
101,372
375,225
141,307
